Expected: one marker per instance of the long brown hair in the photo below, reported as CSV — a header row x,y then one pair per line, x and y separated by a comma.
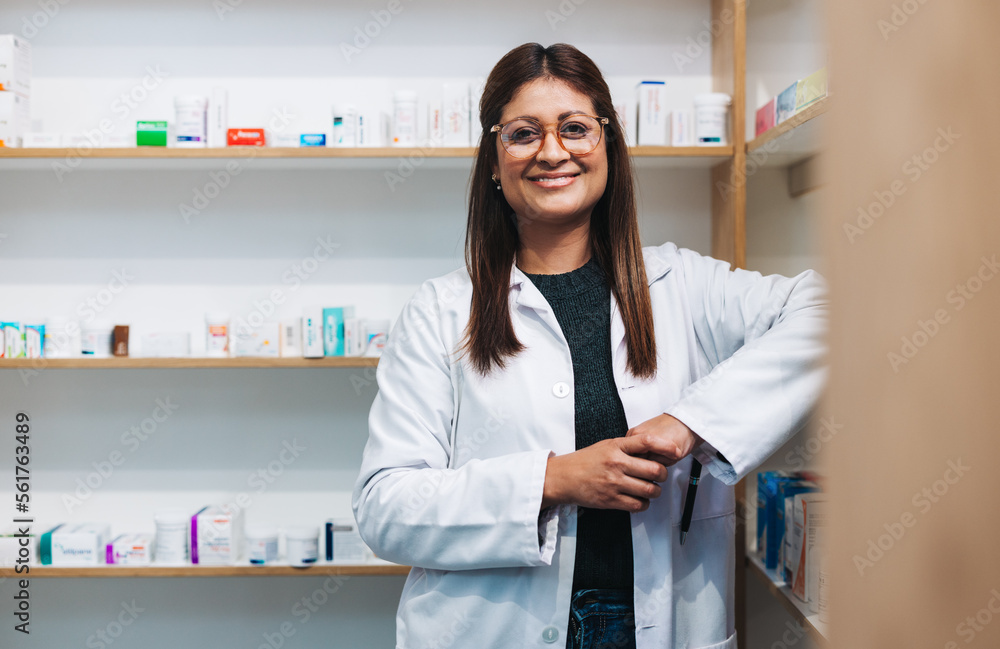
x,y
491,239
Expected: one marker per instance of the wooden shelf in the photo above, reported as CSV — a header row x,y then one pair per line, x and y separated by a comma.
x,y
318,570
795,607
160,153
185,363
240,152
386,159
795,139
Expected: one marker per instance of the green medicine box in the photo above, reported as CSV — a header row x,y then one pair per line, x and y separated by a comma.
x,y
151,134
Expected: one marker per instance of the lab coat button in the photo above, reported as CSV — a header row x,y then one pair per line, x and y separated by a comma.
x,y
561,389
550,634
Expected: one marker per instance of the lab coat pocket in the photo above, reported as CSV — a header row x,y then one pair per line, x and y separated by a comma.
x,y
703,578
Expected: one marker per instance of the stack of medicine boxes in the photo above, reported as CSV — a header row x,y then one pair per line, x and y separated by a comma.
x,y
15,89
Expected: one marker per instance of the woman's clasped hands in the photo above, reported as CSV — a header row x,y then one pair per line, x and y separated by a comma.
x,y
620,473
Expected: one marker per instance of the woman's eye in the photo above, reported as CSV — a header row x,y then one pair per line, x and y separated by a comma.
x,y
524,135
574,130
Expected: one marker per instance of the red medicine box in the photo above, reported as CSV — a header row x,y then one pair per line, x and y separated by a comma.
x,y
245,137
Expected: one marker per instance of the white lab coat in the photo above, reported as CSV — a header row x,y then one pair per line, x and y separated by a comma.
x,y
452,475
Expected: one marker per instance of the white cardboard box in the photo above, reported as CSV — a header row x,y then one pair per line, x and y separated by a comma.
x,y
216,535
15,65
15,118
78,544
456,103
651,114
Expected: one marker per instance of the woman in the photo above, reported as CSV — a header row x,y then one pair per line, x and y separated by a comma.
x,y
529,446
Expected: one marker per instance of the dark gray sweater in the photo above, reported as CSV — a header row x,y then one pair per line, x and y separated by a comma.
x,y
581,300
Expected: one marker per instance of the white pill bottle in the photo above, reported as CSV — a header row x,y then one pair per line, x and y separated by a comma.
x,y
711,119
191,124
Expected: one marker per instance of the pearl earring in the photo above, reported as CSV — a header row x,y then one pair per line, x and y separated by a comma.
x,y
494,177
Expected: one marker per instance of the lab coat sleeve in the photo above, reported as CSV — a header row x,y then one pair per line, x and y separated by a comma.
x,y
764,340
410,506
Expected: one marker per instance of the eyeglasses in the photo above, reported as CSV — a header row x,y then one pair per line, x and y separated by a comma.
x,y
577,135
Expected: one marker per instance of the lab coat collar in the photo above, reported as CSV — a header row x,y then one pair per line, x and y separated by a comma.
x,y
656,267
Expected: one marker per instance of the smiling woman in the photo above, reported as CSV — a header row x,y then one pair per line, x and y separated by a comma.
x,y
535,424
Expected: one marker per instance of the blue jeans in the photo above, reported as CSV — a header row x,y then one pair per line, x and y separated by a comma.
x,y
601,619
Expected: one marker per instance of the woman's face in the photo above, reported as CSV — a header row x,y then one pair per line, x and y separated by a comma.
x,y
554,187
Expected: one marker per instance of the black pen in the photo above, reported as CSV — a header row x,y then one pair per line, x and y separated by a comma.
x,y
689,499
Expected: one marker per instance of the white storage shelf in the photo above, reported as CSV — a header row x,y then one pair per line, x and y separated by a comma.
x,y
798,609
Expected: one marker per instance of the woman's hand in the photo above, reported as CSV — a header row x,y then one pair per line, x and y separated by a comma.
x,y
611,474
671,433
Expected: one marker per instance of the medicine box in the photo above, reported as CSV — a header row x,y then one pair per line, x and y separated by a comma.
x,y
810,89
284,140
815,532
262,341
312,332
766,117
333,329
218,117
165,345
354,337
291,338
150,133
130,550
808,513
13,340
38,140
216,535
246,137
312,139
626,117
343,542
786,102
372,128
787,491
80,544
456,106
15,118
651,115
15,65
681,128
771,512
